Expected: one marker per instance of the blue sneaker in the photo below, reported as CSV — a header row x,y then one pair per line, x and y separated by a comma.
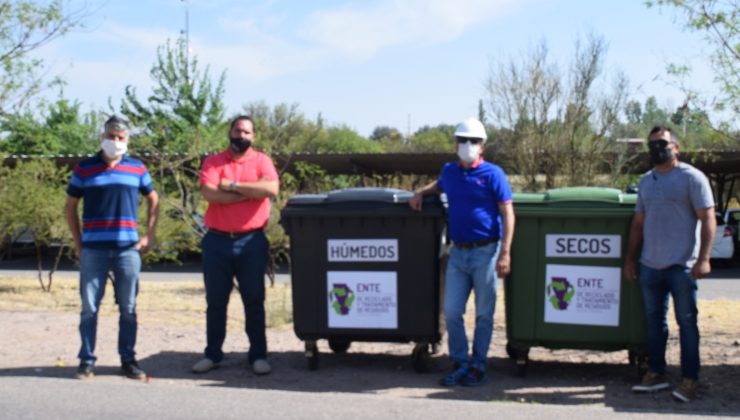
x,y
454,378
475,377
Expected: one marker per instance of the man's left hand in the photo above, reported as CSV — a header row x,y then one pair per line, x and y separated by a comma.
x,y
701,269
145,244
503,265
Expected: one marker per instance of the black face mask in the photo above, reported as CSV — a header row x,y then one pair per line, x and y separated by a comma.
x,y
239,145
660,155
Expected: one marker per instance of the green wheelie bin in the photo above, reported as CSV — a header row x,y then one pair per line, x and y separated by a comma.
x,y
566,289
365,267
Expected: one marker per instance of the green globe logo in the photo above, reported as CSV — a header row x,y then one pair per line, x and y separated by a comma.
x,y
341,298
560,291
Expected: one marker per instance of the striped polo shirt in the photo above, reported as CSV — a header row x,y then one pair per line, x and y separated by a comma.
x,y
110,200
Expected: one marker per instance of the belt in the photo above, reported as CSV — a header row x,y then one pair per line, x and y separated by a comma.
x,y
233,235
476,244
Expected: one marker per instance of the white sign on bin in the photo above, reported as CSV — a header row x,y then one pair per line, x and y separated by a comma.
x,y
583,246
362,299
584,295
362,250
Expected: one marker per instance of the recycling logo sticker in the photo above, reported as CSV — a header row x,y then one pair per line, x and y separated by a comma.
x,y
362,299
583,295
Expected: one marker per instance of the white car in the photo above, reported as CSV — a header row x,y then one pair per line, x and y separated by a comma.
x,y
723,246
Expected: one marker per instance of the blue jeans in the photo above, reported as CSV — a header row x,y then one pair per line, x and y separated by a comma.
x,y
470,269
223,259
656,285
94,267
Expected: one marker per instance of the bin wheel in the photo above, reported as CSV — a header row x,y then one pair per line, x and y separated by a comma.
x,y
638,359
312,355
421,357
521,366
642,365
339,346
520,355
631,357
510,351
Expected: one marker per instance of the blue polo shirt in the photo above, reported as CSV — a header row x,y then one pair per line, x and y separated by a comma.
x,y
473,195
110,200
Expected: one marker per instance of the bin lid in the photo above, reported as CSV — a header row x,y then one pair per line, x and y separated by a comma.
x,y
350,195
606,195
306,199
577,194
382,195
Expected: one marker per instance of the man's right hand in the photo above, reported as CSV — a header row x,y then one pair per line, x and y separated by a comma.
x,y
630,271
416,201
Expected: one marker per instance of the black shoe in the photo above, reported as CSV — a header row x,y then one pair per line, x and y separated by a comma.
x,y
132,370
85,371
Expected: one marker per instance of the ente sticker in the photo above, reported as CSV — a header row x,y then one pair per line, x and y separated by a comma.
x,y
582,294
362,299
341,298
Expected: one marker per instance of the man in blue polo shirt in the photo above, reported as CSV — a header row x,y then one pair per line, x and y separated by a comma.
x,y
481,225
109,184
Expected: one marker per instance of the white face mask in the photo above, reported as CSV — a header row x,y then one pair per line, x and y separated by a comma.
x,y
113,149
468,152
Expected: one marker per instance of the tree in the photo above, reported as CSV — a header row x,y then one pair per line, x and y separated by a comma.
x,y
560,124
26,26
185,112
342,139
181,119
283,129
33,200
432,139
57,128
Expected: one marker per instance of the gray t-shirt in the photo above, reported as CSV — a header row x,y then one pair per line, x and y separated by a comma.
x,y
669,202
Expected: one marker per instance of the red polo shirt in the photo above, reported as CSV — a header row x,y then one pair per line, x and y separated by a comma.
x,y
244,215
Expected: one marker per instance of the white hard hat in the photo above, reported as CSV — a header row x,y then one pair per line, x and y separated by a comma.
x,y
471,127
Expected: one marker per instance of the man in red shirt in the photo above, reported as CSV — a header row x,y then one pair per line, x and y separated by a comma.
x,y
238,184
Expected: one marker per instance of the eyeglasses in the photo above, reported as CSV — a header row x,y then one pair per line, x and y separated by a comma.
x,y
472,140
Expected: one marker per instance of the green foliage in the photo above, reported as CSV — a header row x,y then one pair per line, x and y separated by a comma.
x,y
719,22
180,120
24,27
33,203
427,139
59,128
559,124
282,129
343,139
184,113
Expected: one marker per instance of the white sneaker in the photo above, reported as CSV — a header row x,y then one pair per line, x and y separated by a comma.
x,y
261,367
204,365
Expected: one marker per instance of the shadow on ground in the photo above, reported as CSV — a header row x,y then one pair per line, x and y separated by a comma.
x,y
550,382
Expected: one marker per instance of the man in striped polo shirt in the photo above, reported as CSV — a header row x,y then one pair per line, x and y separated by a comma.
x,y
109,184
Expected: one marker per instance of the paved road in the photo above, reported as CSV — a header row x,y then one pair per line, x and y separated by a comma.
x,y
62,399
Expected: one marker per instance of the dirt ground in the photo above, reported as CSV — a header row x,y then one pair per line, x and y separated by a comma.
x,y
44,343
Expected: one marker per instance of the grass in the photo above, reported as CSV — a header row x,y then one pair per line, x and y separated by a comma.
x,y
169,303
183,303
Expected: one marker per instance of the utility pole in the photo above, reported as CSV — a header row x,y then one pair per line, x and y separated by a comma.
x,y
186,32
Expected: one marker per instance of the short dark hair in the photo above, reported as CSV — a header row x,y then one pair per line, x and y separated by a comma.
x,y
240,118
662,128
115,123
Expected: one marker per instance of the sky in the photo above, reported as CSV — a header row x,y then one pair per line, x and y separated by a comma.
x,y
363,64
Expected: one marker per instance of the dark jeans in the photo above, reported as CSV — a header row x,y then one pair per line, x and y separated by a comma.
x,y
223,259
656,285
94,267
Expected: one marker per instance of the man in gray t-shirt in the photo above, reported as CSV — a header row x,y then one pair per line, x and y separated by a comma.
x,y
675,224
